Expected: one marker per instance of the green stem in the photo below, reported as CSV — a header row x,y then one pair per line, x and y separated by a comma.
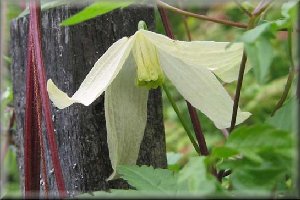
x,y
290,76
290,48
185,126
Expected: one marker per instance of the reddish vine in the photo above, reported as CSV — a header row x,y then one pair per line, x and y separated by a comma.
x,y
37,102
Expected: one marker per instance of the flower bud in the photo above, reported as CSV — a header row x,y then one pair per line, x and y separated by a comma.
x,y
149,72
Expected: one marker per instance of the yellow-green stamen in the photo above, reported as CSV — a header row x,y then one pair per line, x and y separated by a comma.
x,y
149,72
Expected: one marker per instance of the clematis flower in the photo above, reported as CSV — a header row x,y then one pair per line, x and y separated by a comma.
x,y
133,65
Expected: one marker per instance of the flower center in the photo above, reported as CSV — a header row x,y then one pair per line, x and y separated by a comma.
x,y
149,72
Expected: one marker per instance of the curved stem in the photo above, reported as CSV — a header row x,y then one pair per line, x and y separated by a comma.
x,y
290,76
203,17
185,126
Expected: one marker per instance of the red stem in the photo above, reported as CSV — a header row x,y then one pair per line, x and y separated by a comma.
x,y
35,11
238,91
192,111
28,120
38,113
198,130
166,22
31,141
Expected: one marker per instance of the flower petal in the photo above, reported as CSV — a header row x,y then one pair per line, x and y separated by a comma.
x,y
201,88
98,79
126,116
219,57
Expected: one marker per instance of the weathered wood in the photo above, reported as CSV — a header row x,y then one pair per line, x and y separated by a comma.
x,y
69,54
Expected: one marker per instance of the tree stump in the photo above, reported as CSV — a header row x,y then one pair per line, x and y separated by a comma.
x,y
69,54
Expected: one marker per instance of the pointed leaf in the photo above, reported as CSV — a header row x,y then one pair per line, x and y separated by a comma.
x,y
194,178
286,117
261,56
257,137
94,10
149,179
252,35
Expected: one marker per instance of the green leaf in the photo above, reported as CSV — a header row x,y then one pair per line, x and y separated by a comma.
x,y
258,137
289,12
286,117
223,152
266,157
252,35
259,49
192,179
258,44
149,179
260,55
265,57
195,179
248,176
94,10
289,9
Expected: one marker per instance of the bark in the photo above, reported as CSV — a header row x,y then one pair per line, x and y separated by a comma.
x,y
69,54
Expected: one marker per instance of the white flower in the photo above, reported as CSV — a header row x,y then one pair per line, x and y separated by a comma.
x,y
145,59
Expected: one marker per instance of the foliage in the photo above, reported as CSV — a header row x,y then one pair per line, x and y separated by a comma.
x,y
94,10
260,157
148,179
286,117
193,179
258,41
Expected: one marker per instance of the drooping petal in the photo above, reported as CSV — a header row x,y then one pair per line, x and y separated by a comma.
x,y
202,89
126,116
98,79
219,57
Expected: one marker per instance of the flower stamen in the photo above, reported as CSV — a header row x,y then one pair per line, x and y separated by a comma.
x,y
149,72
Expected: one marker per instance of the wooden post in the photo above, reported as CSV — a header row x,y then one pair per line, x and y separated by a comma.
x,y
69,54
